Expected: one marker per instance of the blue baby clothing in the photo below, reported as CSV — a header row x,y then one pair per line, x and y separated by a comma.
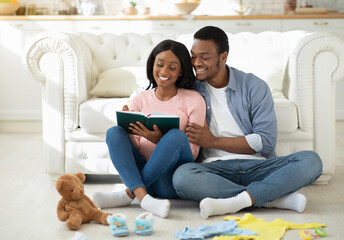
x,y
221,228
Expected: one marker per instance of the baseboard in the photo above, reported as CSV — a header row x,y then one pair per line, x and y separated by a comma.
x,y
340,115
340,126
20,115
20,126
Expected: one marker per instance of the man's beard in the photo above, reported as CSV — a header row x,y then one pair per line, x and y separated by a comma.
x,y
209,77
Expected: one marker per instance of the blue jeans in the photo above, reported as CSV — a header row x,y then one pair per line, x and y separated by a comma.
x,y
156,174
265,180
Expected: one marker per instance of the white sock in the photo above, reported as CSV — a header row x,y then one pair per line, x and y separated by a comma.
x,y
156,206
210,206
293,201
111,199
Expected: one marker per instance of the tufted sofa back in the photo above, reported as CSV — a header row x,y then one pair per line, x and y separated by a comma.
x,y
116,51
265,54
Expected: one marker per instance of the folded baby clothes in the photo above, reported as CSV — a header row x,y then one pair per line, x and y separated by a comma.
x,y
274,230
221,228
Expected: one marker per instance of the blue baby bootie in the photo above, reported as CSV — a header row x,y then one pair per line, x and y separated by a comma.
x,y
118,225
144,224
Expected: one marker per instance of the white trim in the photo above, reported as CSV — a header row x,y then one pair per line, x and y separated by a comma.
x,y
339,114
20,126
339,127
17,115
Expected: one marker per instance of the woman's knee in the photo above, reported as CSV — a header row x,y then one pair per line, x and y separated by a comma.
x,y
175,135
114,133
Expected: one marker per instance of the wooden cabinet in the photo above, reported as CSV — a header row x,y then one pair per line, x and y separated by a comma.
x,y
165,26
247,25
191,26
314,25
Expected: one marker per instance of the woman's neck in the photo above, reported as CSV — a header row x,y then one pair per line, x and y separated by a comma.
x,y
164,94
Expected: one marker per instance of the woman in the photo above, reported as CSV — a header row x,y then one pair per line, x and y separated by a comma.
x,y
147,160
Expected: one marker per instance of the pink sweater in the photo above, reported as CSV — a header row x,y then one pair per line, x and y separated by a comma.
x,y
189,105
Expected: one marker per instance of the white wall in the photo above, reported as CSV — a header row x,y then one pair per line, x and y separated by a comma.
x,y
20,97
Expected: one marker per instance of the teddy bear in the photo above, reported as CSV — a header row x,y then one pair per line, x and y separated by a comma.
x,y
75,207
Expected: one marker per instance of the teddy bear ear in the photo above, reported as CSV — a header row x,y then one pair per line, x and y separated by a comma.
x,y
81,176
59,184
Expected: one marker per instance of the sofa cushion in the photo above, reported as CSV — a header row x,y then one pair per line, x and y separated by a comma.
x,y
140,75
98,114
286,114
115,51
115,82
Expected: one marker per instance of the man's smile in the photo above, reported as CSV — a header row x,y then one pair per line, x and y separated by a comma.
x,y
200,70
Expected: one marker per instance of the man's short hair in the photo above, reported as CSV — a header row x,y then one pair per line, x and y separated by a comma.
x,y
217,35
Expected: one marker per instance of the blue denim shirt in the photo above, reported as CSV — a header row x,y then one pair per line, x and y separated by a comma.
x,y
249,99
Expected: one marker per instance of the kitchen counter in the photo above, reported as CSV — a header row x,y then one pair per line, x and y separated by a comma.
x,y
123,17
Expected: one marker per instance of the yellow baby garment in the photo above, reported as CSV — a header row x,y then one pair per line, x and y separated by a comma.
x,y
266,230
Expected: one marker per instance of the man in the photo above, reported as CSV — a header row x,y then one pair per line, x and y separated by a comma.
x,y
239,166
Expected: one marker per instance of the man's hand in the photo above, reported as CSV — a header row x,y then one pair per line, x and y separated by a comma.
x,y
202,137
141,130
199,135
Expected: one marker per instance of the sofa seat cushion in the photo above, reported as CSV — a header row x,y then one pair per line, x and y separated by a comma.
x,y
88,157
286,114
99,114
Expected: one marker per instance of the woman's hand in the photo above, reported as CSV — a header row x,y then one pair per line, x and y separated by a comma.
x,y
139,129
125,108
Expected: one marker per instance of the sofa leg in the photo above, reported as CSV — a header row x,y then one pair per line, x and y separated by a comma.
x,y
323,179
54,177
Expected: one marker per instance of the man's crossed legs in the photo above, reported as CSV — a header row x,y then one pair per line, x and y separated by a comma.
x,y
229,186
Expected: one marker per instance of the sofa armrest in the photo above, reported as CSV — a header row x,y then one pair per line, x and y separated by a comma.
x,y
316,64
62,63
305,70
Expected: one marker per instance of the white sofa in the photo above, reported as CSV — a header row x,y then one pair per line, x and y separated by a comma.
x,y
301,69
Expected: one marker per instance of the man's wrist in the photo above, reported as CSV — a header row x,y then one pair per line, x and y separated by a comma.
x,y
214,142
